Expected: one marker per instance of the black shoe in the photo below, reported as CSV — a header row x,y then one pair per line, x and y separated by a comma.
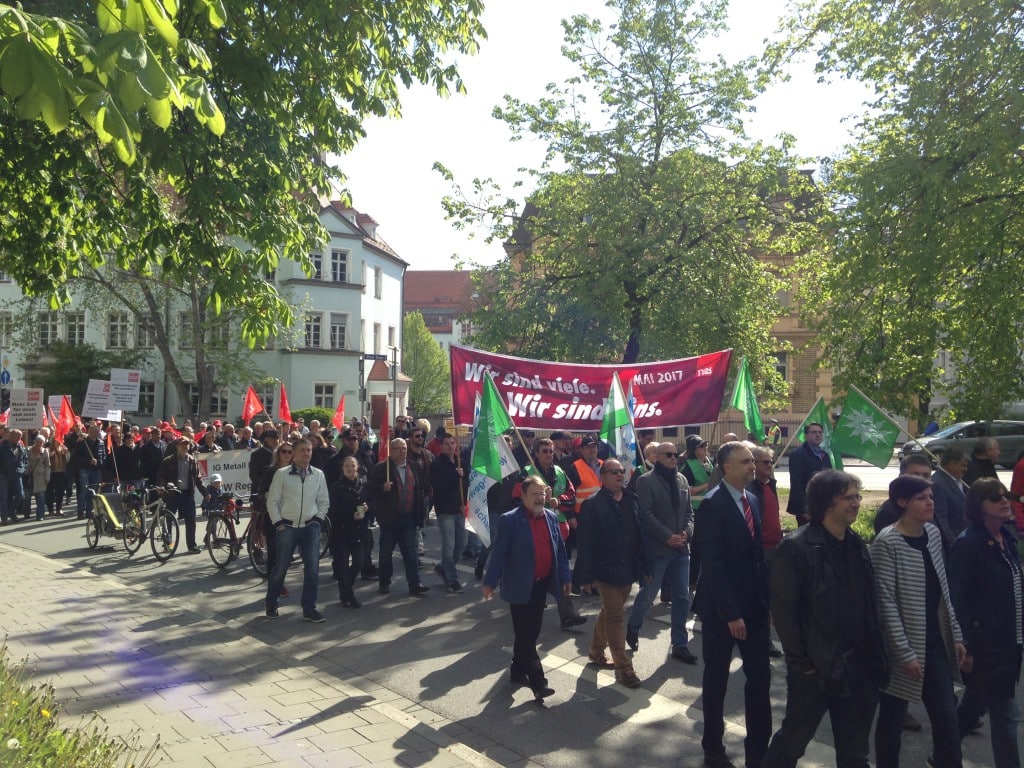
x,y
975,726
573,621
439,570
272,613
454,588
633,639
542,692
351,603
718,760
194,550
682,653
666,598
478,572
575,591
419,590
384,589
314,616
774,652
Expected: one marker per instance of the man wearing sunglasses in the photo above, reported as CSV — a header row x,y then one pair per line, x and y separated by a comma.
x,y
610,561
667,518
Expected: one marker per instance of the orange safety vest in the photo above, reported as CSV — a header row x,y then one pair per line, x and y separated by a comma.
x,y
590,483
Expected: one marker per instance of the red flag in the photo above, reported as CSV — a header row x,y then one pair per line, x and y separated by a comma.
x,y
110,444
284,413
67,419
385,435
252,406
338,419
4,415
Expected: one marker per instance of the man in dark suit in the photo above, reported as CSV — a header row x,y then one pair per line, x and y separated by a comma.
x,y
804,463
528,561
950,493
732,603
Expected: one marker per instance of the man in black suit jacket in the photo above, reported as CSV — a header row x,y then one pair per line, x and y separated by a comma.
x,y
804,463
732,602
950,492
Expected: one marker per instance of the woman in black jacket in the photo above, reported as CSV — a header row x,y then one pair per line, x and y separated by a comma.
x,y
349,529
985,582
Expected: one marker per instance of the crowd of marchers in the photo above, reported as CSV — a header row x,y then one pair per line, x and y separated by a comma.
x,y
932,604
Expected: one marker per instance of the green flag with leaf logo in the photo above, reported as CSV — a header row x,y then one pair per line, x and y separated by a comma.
x,y
865,431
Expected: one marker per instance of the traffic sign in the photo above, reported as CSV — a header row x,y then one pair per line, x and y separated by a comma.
x,y
374,357
5,378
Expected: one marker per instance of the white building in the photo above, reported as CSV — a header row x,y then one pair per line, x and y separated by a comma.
x,y
350,307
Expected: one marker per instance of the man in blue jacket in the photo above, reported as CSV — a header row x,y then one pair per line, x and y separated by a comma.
x,y
528,561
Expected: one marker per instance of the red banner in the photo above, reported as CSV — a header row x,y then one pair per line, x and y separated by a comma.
x,y
545,395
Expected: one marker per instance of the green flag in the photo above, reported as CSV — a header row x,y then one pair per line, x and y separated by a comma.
x,y
819,415
865,431
491,424
743,400
617,426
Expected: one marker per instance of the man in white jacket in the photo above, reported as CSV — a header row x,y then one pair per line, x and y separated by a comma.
x,y
297,503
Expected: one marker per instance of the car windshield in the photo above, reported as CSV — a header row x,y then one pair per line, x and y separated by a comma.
x,y
950,430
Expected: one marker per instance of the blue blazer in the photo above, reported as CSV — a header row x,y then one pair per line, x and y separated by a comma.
x,y
733,580
510,567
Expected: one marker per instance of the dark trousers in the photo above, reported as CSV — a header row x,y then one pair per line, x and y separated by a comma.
x,y
367,567
937,695
185,506
717,649
987,690
348,562
806,703
526,621
55,492
404,535
270,535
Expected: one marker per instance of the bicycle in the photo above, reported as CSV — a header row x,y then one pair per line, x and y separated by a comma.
x,y
162,531
221,539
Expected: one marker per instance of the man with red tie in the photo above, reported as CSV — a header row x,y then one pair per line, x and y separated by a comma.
x,y
732,603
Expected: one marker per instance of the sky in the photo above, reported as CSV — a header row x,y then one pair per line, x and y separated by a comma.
x,y
390,174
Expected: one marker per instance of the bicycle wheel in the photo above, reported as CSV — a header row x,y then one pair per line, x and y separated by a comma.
x,y
133,532
163,536
325,537
220,541
92,532
256,547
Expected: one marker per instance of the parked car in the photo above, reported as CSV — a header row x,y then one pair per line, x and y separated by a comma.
x,y
962,435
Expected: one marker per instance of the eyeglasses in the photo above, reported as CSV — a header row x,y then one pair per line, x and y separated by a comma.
x,y
766,462
999,497
852,497
669,455
545,450
285,453
613,471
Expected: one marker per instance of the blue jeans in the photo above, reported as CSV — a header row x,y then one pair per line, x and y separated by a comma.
x,y
453,544
937,695
307,540
677,567
40,503
404,535
86,479
987,689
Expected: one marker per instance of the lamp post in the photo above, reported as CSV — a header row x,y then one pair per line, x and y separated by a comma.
x,y
394,383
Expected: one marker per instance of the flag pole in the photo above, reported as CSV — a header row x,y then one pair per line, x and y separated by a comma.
x,y
458,465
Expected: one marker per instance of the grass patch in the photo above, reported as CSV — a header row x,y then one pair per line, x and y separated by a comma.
x,y
33,736
863,526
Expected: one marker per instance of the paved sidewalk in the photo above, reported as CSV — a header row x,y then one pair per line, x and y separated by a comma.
x,y
213,695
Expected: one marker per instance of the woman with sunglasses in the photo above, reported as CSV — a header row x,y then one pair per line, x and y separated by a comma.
x,y
920,626
985,582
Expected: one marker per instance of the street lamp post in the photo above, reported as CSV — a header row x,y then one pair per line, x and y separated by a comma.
x,y
394,383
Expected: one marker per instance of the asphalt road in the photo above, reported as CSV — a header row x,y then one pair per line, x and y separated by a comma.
x,y
450,653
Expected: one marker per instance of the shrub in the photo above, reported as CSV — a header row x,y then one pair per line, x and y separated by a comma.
x,y
33,736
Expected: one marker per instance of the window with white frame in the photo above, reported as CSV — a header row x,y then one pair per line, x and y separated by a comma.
x,y
339,331
147,397
145,334
186,328
219,335
74,328
314,322
267,395
323,395
391,335
339,266
378,282
782,364
318,265
48,329
218,400
376,338
117,330
6,330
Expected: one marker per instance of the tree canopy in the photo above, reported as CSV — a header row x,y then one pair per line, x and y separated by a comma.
x,y
427,365
927,260
657,229
293,80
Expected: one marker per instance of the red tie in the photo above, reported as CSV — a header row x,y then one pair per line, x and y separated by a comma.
x,y
748,515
